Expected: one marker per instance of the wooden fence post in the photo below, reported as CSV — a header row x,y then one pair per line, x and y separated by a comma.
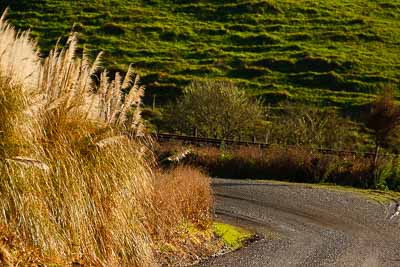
x,y
154,101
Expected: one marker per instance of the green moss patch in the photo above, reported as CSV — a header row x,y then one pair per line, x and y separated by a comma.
x,y
233,237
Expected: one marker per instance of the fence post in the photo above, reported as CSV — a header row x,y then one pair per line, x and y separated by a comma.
x,y
254,139
154,101
195,132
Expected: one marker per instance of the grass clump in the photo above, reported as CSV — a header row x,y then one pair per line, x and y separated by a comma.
x,y
67,162
77,184
183,222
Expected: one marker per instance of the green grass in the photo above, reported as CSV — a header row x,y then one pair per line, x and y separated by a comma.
x,y
232,236
323,52
380,196
371,194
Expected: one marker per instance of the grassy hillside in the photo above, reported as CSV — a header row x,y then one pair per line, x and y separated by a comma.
x,y
329,52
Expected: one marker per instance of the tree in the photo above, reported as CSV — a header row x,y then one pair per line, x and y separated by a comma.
x,y
311,126
215,108
384,120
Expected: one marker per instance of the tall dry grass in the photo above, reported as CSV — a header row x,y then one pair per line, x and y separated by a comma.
x,y
76,186
295,163
181,228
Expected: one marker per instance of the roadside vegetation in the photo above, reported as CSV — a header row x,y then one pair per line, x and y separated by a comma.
x,y
294,164
295,139
381,196
79,185
296,136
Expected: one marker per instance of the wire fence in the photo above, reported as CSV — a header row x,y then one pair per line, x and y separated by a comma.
x,y
167,137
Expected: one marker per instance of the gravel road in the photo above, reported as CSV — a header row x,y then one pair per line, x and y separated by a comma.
x,y
305,226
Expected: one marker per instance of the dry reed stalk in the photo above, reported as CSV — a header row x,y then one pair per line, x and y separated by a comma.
x,y
19,57
29,162
5,256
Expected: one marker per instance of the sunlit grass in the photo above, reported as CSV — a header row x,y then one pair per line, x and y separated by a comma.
x,y
316,50
380,196
233,237
77,178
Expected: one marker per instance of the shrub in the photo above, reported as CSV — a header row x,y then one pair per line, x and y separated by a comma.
x,y
389,174
383,120
215,108
113,28
310,126
353,171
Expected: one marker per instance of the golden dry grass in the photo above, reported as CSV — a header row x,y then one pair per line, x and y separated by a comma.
x,y
183,227
77,185
61,191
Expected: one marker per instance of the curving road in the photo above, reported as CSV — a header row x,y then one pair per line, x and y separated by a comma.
x,y
305,226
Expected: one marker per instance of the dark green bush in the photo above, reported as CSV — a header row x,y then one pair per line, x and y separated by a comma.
x,y
113,28
389,175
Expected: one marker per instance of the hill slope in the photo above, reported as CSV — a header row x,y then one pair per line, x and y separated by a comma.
x,y
330,52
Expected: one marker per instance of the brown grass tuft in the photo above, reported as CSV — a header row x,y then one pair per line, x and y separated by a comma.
x,y
295,163
184,193
183,201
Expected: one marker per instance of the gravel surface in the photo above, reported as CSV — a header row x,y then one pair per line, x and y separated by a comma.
x,y
305,226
